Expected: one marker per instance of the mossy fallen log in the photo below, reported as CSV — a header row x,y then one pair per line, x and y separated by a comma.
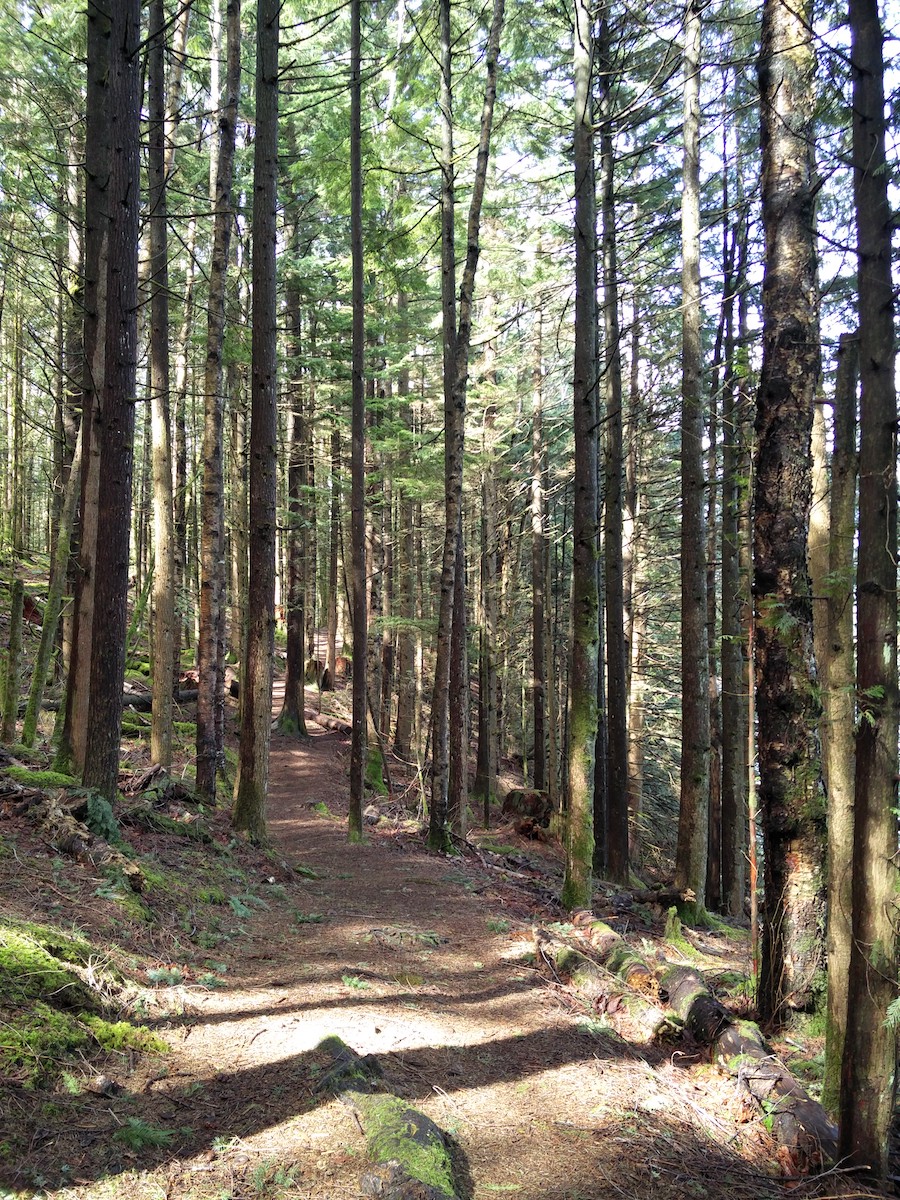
x,y
411,1149
681,996
597,985
738,1047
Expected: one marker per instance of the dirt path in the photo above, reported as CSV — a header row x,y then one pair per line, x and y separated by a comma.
x,y
413,958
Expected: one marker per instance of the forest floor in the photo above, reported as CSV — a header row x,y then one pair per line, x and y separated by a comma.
x,y
249,959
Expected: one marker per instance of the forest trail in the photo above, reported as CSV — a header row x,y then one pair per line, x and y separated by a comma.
x,y
413,957
416,958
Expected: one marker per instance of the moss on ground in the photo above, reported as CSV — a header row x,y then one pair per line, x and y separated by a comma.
x,y
47,1012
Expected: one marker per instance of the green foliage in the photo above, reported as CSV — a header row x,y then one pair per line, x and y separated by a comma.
x,y
138,1134
500,925
312,918
101,819
165,976
354,982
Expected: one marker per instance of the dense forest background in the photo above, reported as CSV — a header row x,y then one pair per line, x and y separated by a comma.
x,y
520,362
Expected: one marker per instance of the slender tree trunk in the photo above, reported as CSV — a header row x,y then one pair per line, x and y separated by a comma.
x,y
733,608
256,709
485,786
456,378
163,667
838,682
693,821
291,719
211,684
454,431
334,525
869,1084
72,741
790,788
57,586
616,832
115,412
13,673
406,579
358,748
538,560
584,670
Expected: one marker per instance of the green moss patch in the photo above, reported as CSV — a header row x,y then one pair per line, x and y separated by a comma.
x,y
40,779
47,1012
397,1133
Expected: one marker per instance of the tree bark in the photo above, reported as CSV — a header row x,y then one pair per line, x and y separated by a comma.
x,y
616,832
693,820
584,670
790,790
163,642
211,683
256,708
115,411
838,682
358,747
869,1083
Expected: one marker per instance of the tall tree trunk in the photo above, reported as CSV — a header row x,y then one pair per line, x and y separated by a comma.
x,y
73,734
406,579
291,719
456,378
256,709
577,887
163,642
733,608
538,560
211,684
334,526
869,1085
616,832
838,682
115,411
358,747
485,785
790,788
693,820
454,432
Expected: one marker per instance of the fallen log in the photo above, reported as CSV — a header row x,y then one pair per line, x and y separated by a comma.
x,y
798,1122
598,986
738,1047
335,724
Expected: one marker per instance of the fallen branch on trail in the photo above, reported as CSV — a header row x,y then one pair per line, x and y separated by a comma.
x,y
660,996
335,724
411,1149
